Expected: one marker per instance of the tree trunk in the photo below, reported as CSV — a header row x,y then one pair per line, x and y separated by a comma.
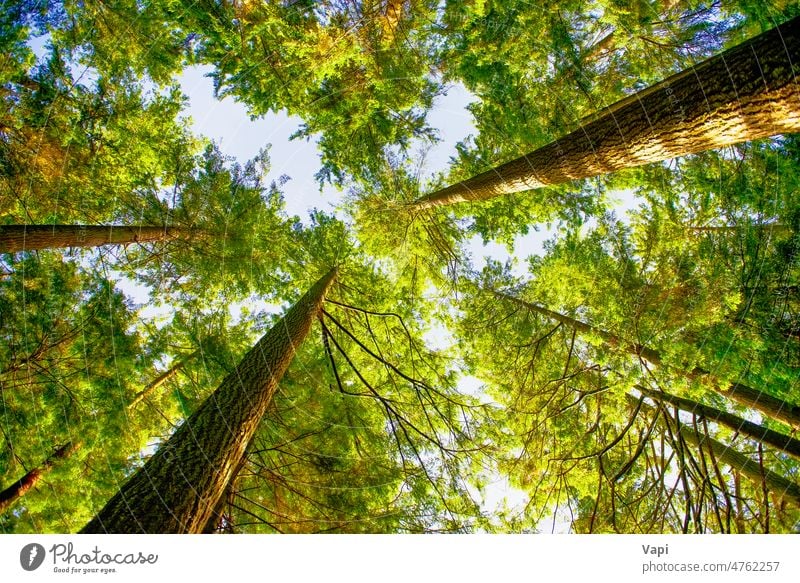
x,y
779,441
738,462
745,93
772,407
772,227
180,485
15,238
19,488
775,483
161,379
219,521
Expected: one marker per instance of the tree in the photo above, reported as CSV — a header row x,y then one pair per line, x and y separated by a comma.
x,y
571,435
775,408
76,151
604,401
765,435
15,238
19,488
162,378
72,355
782,487
209,446
745,93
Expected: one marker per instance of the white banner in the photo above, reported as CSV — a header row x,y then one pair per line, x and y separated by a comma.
x,y
371,558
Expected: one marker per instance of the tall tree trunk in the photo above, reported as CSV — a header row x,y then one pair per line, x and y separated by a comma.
x,y
745,93
779,441
19,488
772,407
15,238
772,227
738,462
161,379
775,483
180,485
218,521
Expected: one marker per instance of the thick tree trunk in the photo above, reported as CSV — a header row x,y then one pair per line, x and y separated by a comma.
x,y
745,93
772,407
16,238
775,483
179,487
219,521
768,437
161,379
19,488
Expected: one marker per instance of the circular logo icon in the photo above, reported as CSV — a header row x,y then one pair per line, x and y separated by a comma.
x,y
31,556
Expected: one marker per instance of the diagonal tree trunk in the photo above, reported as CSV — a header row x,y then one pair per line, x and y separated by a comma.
x,y
772,407
16,238
745,93
218,522
777,484
179,487
19,488
779,441
740,463
771,227
161,379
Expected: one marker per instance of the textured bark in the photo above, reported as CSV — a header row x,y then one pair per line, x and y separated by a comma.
x,y
161,379
777,409
218,522
745,93
179,487
16,238
772,407
766,436
19,488
775,483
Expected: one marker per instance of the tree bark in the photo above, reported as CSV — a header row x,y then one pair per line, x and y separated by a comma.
x,y
772,407
19,488
766,436
16,238
745,93
775,483
179,487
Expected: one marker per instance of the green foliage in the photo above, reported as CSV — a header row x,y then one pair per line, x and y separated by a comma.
x,y
372,429
85,152
70,363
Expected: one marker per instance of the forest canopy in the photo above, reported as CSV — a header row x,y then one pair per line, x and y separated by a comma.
x,y
179,353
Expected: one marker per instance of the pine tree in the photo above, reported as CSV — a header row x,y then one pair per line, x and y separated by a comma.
x,y
179,487
745,93
19,488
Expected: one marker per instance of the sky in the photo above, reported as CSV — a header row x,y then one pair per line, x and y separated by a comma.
x,y
227,123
